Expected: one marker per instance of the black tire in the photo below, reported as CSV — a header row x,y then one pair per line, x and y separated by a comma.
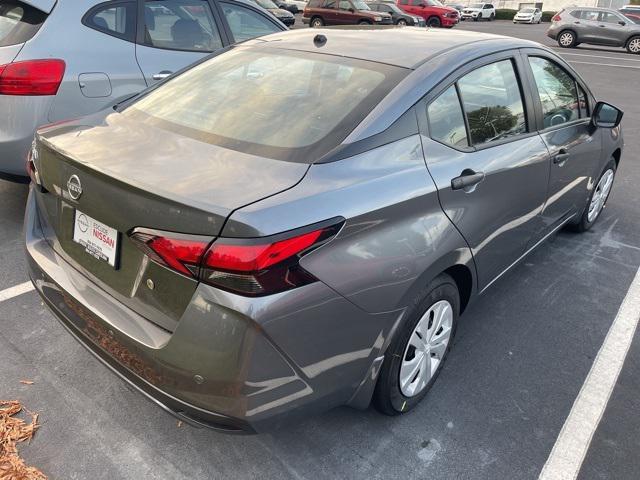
x,y
364,22
316,22
401,22
387,396
567,39
584,224
475,19
434,22
633,45
492,17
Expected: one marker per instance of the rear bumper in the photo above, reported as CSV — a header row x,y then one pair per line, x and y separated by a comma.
x,y
552,32
233,364
19,120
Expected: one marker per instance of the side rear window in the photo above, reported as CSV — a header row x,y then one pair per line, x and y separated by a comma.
x,y
314,3
246,23
181,25
19,22
446,120
117,19
493,103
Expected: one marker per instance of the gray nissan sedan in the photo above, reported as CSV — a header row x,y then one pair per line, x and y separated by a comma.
x,y
244,253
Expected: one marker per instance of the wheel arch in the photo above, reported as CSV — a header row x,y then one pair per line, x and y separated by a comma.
x,y
617,155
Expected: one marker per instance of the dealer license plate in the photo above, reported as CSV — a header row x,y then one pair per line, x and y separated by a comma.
x,y
99,240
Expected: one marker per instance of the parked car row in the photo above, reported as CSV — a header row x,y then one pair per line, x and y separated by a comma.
x,y
432,13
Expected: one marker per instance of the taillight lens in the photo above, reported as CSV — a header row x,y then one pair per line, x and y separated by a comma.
x,y
182,253
250,267
556,17
32,77
262,266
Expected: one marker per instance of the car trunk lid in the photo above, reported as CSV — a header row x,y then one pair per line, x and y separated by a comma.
x,y
134,175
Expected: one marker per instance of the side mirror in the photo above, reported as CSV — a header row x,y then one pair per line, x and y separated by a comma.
x,y
606,115
622,23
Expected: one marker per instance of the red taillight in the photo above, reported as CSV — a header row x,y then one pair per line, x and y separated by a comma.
x,y
182,253
32,77
250,267
557,17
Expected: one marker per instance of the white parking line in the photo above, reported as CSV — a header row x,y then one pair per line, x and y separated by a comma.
x,y
622,59
15,291
606,64
571,446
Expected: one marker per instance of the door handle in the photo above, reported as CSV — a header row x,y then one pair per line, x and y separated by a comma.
x,y
561,157
468,178
161,75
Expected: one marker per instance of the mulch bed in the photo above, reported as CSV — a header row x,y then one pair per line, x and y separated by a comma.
x,y
12,431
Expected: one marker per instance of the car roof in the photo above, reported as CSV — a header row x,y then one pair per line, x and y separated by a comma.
x,y
406,47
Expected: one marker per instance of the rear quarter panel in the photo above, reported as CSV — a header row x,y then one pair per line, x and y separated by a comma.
x,y
396,237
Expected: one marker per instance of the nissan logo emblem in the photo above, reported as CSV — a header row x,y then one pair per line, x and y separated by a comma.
x,y
74,187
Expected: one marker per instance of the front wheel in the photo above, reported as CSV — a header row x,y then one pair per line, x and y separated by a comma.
x,y
597,199
434,22
364,22
633,45
317,22
402,22
415,357
492,17
567,39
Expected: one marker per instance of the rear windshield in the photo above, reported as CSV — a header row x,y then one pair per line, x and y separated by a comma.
x,y
281,104
18,22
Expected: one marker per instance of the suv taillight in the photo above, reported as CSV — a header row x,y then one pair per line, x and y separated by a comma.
x,y
250,267
31,77
557,17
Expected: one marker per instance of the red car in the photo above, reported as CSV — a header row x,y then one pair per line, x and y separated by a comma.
x,y
434,13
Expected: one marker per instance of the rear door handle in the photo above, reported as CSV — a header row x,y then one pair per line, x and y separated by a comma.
x,y
561,157
468,178
161,75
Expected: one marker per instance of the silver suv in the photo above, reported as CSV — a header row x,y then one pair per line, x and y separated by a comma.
x,y
61,60
597,26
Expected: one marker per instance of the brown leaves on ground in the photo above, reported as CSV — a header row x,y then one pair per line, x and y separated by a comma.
x,y
12,431
26,382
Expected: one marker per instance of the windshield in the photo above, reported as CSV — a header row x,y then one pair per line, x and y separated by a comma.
x,y
433,3
527,10
18,22
633,19
476,5
361,5
238,100
268,4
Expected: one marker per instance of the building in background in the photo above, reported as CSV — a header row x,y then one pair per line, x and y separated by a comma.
x,y
556,5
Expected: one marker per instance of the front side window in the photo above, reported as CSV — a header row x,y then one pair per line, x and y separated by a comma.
x,y
584,102
117,20
181,25
18,22
557,91
446,121
493,102
607,17
237,100
246,23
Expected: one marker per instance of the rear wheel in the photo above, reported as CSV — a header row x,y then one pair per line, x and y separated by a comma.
x,y
415,357
434,22
316,22
633,45
567,39
597,199
402,22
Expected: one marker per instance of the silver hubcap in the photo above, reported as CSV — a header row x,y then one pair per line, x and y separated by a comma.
x,y
600,195
317,23
426,348
634,45
566,39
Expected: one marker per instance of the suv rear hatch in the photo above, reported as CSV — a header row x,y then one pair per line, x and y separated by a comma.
x,y
19,22
133,175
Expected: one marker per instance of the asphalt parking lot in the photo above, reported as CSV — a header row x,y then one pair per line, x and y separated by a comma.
x,y
520,359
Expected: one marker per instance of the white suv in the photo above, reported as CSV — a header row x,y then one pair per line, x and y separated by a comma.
x,y
479,11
